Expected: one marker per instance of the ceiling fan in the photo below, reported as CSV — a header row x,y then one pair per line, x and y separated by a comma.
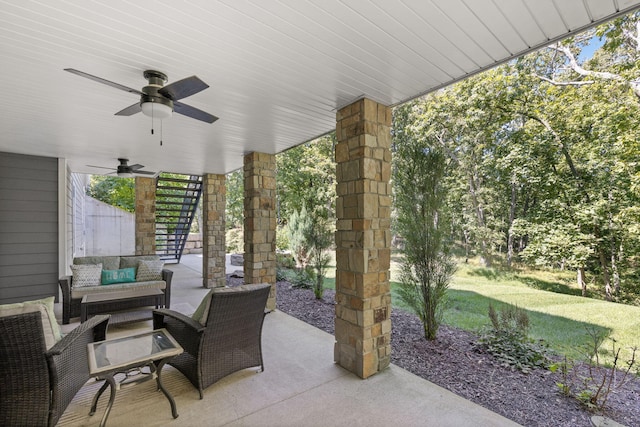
x,y
159,101
124,170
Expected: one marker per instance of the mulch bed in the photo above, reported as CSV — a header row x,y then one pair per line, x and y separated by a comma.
x,y
455,362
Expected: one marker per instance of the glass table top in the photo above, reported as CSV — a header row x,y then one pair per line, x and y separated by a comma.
x,y
132,350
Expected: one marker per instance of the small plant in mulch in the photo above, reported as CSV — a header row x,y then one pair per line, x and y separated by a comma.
x,y
507,339
591,382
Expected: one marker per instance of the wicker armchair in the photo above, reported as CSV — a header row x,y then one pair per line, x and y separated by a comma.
x,y
230,339
37,385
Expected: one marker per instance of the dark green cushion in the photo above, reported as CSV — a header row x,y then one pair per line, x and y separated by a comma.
x,y
123,275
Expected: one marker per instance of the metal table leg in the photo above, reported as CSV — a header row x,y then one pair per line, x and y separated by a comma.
x,y
109,381
158,369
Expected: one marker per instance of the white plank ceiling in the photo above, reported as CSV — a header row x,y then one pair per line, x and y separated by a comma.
x,y
277,70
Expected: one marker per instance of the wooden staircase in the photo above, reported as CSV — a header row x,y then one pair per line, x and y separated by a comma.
x,y
177,197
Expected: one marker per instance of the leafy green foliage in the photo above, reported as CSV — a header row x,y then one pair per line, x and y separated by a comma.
x,y
234,240
299,228
114,191
508,340
306,178
234,215
543,160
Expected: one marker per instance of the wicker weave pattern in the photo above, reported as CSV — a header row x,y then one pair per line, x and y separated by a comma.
x,y
230,341
71,306
37,385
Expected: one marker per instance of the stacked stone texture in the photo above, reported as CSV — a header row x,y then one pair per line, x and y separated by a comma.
x,y
145,190
214,198
363,237
260,221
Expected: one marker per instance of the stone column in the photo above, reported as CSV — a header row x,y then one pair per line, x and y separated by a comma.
x,y
214,197
363,238
260,221
145,216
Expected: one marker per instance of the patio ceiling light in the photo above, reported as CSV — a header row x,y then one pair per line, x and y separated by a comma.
x,y
157,109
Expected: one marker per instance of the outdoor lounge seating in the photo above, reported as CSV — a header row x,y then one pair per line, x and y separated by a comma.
x,y
223,336
72,292
37,384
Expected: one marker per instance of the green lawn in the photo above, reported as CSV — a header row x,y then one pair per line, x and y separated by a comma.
x,y
560,319
557,312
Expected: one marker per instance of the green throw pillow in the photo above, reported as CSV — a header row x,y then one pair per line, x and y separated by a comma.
x,y
123,275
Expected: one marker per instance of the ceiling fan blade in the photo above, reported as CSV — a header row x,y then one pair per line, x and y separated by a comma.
x,y
103,81
194,113
130,110
144,173
100,167
135,167
183,88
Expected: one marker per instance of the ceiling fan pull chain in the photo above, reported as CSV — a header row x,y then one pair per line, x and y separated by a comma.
x,y
152,119
161,133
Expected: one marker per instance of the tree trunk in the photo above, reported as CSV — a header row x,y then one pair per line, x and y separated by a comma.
x,y
512,216
466,245
605,274
485,258
581,282
616,258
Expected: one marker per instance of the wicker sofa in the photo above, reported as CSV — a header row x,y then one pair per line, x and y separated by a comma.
x,y
72,295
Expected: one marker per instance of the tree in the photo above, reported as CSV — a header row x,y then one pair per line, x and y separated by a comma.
x,y
419,197
114,191
235,199
306,177
299,228
544,157
309,239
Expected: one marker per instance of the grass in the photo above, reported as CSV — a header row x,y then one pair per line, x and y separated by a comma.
x,y
558,314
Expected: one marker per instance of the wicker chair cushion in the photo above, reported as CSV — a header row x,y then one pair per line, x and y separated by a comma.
x,y
202,312
86,275
78,293
108,262
132,261
149,270
50,325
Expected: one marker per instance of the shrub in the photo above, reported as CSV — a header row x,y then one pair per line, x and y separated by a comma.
x,y
508,340
285,260
302,278
591,382
234,241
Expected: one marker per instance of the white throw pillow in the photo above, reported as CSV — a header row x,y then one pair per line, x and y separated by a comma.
x,y
50,325
86,275
149,270
202,312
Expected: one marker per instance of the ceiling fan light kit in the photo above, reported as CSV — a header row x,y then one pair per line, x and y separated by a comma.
x,y
154,104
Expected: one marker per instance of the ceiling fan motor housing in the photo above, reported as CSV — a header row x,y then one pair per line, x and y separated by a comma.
x,y
150,93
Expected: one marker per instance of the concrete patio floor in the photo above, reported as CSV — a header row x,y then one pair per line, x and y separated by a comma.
x,y
301,385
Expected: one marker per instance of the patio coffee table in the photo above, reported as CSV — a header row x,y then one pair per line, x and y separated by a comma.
x,y
128,356
111,302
